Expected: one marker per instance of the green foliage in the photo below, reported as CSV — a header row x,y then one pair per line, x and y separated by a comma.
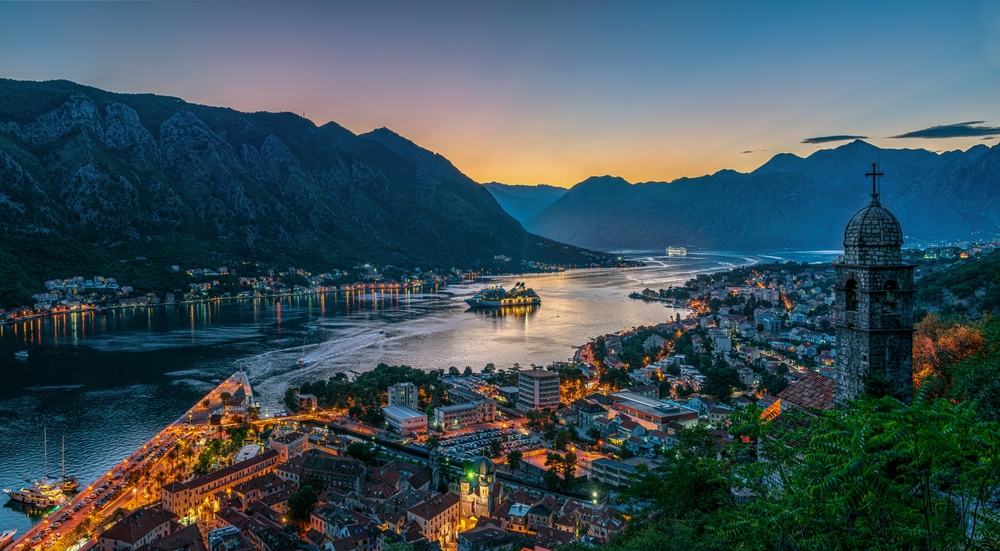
x,y
369,389
300,505
720,382
514,459
362,451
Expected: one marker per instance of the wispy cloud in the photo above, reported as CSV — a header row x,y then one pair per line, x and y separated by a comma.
x,y
752,151
957,130
827,139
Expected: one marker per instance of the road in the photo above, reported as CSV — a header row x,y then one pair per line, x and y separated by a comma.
x,y
116,488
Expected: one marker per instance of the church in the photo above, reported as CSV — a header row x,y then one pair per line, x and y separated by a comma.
x,y
479,491
874,306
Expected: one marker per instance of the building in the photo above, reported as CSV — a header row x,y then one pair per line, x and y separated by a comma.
x,y
185,498
509,393
611,472
487,538
480,493
653,414
874,307
404,394
137,529
306,402
437,517
537,389
343,473
289,445
405,420
185,539
483,411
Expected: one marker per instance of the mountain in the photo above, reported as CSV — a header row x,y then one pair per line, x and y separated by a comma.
x,y
790,201
92,182
524,202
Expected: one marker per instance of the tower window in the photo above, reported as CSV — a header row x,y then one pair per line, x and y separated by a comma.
x,y
891,289
851,295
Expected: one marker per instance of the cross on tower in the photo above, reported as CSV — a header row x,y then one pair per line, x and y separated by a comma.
x,y
874,175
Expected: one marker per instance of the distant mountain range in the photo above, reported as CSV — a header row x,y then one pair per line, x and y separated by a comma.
x,y
92,180
524,202
789,202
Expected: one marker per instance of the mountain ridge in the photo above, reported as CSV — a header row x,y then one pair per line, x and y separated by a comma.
x,y
936,196
91,180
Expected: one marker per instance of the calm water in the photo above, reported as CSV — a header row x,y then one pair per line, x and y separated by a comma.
x,y
107,382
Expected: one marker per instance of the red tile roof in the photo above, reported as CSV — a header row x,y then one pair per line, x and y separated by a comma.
x,y
811,391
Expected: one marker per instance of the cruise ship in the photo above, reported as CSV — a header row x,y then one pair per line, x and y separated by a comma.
x,y
39,493
498,297
677,251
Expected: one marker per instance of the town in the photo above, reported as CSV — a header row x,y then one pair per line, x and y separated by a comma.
x,y
177,285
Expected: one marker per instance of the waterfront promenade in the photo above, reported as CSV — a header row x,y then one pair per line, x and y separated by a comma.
x,y
122,486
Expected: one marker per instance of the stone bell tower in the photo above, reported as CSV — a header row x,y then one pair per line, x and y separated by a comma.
x,y
874,304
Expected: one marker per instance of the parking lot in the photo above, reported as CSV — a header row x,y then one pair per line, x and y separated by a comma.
x,y
470,445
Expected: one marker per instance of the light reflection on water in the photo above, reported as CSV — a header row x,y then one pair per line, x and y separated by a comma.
x,y
107,382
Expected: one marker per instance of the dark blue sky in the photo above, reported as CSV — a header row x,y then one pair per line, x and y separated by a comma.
x,y
529,92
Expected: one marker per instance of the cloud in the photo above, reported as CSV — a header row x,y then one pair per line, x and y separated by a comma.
x,y
826,139
957,130
753,151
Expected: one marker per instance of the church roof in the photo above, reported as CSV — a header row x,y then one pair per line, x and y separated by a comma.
x,y
873,226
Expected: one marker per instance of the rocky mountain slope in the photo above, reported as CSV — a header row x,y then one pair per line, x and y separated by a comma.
x,y
788,202
92,180
524,202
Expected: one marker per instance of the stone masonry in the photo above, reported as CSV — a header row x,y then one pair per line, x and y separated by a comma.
x,y
874,306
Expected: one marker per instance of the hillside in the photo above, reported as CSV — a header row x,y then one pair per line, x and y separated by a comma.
x,y
524,202
788,202
94,182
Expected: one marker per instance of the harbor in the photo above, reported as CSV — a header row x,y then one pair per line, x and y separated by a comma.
x,y
126,486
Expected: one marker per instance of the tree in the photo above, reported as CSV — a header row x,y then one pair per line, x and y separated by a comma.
x,y
468,371
489,369
720,381
225,396
594,433
563,438
453,371
551,479
495,448
301,505
374,416
433,442
205,403
361,451
569,468
355,411
514,459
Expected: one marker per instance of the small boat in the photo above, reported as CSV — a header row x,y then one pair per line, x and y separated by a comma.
x,y
21,354
68,484
302,361
6,537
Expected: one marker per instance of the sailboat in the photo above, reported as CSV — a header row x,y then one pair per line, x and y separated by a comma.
x,y
68,484
39,493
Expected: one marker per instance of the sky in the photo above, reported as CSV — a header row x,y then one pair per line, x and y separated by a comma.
x,y
528,92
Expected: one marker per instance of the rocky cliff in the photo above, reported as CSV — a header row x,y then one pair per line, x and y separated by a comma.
x,y
90,180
